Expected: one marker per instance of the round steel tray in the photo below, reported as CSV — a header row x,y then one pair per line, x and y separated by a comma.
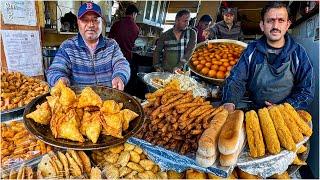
x,y
214,80
147,77
44,133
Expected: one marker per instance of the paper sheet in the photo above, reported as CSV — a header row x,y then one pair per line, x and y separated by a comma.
x,y
23,52
19,12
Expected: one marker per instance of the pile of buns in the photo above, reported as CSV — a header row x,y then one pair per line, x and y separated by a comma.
x,y
176,119
275,127
224,138
127,161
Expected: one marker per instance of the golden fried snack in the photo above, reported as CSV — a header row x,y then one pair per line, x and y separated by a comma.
x,y
65,163
68,127
269,131
302,149
89,98
305,115
90,125
283,132
67,97
192,104
111,107
303,126
56,90
128,116
199,110
291,124
74,168
46,168
58,163
284,175
74,155
211,115
42,114
245,175
184,116
254,134
169,94
113,124
52,100
204,114
193,174
95,173
185,99
85,161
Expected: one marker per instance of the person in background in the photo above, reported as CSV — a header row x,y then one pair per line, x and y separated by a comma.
x,y
226,29
203,24
89,58
125,32
273,69
176,44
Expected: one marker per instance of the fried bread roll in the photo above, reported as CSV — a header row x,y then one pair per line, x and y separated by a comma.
x,y
254,134
207,151
230,133
269,131
303,126
291,124
283,132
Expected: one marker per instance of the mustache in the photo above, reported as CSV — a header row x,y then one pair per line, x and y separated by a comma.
x,y
275,30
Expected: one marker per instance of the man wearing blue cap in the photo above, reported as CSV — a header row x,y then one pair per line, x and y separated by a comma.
x,y
89,58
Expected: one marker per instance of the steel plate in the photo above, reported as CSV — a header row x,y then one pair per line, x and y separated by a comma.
x,y
44,133
193,69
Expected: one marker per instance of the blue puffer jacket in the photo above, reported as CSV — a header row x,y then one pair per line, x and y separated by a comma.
x,y
241,75
75,62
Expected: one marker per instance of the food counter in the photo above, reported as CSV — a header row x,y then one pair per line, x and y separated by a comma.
x,y
175,133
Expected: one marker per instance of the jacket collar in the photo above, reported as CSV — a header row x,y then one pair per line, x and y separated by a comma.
x,y
82,44
287,49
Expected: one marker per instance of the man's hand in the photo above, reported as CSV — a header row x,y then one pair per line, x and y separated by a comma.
x,y
64,80
230,107
268,103
206,33
117,83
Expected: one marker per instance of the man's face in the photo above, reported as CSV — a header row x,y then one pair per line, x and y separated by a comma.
x,y
183,22
90,26
204,24
228,18
275,24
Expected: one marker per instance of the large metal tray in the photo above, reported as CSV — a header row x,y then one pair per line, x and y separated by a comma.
x,y
214,80
44,133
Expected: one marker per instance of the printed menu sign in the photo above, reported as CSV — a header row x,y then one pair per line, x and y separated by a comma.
x,y
19,12
23,52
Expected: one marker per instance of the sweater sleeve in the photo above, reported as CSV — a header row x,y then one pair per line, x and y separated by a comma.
x,y
303,91
60,67
235,84
120,65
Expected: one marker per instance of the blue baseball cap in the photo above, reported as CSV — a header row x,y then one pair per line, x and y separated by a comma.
x,y
89,7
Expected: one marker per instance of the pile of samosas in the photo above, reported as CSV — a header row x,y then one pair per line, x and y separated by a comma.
x,y
72,117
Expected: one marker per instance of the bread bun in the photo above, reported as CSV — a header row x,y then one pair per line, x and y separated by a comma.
x,y
208,142
231,159
206,161
230,133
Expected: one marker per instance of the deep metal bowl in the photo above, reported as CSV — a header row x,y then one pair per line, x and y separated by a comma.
x,y
44,133
214,80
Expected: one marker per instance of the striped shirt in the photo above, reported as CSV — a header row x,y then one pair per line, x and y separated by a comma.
x,y
75,62
174,50
221,31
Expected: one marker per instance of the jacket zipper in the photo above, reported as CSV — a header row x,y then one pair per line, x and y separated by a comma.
x,y
94,69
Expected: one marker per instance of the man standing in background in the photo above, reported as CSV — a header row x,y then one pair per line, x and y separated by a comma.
x,y
176,44
203,24
226,29
125,32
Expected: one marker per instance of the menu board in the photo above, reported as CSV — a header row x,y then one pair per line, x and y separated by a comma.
x,y
23,52
19,12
